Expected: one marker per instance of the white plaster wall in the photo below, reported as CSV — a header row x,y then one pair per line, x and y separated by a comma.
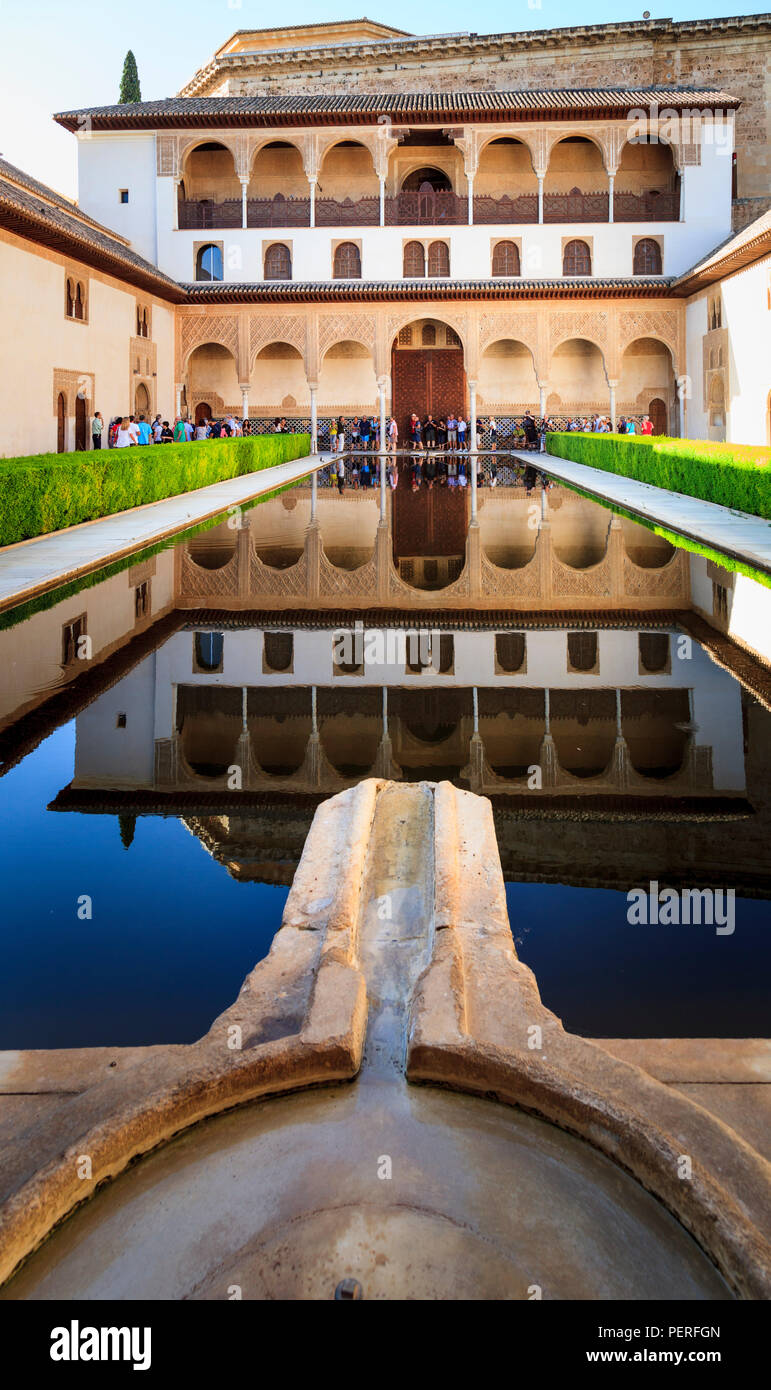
x,y
32,667
749,607
470,247
747,317
109,161
118,757
41,338
716,696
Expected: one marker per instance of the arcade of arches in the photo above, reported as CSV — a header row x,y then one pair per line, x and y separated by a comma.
x,y
213,173
561,359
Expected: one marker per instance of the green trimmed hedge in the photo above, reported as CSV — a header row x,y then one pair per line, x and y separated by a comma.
x,y
47,492
733,475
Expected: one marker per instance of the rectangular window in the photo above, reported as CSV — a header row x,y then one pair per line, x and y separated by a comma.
x,y
719,602
142,600
123,195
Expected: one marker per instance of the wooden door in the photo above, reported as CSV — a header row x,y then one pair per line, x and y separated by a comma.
x,y
658,413
428,381
80,423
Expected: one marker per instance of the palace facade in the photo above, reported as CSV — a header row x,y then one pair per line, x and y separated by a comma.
x,y
345,219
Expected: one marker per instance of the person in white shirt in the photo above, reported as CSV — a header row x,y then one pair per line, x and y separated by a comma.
x,y
157,429
202,430
123,437
189,431
133,430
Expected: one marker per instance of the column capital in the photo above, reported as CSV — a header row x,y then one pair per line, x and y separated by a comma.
x,y
313,386
382,383
471,382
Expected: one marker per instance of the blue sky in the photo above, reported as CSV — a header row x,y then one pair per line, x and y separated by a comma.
x,y
59,54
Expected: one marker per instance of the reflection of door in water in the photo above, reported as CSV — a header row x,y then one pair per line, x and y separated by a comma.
x,y
658,413
80,423
202,412
61,424
428,523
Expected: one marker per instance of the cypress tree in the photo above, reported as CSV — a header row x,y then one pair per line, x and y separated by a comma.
x,y
127,826
129,82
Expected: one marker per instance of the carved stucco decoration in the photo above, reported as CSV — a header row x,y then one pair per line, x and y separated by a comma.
x,y
443,314
648,323
524,582
358,583
276,328
277,583
167,156
521,327
68,384
595,582
670,581
195,330
591,324
341,328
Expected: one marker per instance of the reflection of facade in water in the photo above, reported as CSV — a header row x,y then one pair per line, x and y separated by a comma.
x,y
550,551
625,749
540,711
644,770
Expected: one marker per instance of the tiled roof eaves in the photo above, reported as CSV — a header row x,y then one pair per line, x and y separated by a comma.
x,y
363,108
324,291
27,216
18,176
736,252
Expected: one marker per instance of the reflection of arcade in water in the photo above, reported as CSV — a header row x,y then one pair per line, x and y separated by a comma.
x,y
615,732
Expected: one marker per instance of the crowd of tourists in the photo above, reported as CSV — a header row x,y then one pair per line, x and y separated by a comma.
x,y
446,435
123,431
602,424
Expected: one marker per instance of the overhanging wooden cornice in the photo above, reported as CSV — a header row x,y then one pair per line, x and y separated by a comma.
x,y
381,291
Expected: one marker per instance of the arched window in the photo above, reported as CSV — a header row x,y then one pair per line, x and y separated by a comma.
x,y
208,264
405,337
428,335
347,264
451,338
145,329
576,259
647,257
79,301
414,261
506,258
70,301
438,258
278,262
